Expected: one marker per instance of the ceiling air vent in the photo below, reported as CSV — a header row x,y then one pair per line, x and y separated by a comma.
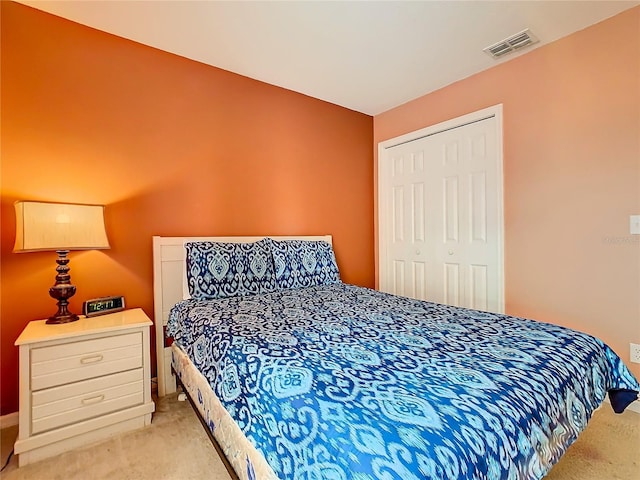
x,y
511,44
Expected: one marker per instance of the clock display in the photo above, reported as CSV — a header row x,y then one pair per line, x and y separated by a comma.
x,y
102,306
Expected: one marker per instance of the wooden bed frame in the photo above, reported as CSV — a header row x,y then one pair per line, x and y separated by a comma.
x,y
170,286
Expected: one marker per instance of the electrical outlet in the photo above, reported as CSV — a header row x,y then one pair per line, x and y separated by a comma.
x,y
635,352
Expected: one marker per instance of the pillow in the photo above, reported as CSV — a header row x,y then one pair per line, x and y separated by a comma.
x,y
304,263
219,270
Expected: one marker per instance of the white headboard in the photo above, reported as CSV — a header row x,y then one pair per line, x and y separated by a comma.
x,y
169,267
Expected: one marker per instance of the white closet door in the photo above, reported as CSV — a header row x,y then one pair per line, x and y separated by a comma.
x,y
442,237
410,237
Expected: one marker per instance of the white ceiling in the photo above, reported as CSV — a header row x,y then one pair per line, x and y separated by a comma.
x,y
368,56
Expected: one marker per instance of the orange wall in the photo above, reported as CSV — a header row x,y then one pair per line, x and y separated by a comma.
x,y
572,174
171,147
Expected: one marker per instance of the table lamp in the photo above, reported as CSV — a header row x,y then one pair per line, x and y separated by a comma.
x,y
60,227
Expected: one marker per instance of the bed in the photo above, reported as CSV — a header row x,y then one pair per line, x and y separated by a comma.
x,y
300,376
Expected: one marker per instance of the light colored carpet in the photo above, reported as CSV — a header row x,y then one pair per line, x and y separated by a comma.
x,y
176,447
608,449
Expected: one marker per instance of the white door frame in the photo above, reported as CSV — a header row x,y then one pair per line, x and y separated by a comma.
x,y
384,221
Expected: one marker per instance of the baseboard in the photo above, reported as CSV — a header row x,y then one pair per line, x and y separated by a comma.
x,y
9,420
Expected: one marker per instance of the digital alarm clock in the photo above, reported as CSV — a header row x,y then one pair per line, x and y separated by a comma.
x,y
102,306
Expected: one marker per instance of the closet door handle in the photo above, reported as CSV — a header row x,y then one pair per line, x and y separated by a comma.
x,y
91,359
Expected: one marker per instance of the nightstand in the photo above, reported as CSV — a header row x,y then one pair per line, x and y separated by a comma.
x,y
81,382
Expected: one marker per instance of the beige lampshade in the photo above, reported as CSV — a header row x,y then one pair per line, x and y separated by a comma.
x,y
59,226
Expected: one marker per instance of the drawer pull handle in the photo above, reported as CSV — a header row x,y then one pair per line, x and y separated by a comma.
x,y
91,359
92,400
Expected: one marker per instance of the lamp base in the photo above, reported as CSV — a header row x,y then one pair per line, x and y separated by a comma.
x,y
62,291
57,319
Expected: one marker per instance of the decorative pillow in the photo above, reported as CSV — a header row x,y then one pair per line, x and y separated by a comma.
x,y
304,263
219,270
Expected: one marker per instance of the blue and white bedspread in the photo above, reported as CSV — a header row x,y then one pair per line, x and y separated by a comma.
x,y
342,382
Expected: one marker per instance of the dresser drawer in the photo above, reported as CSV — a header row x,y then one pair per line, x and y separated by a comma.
x,y
67,404
71,362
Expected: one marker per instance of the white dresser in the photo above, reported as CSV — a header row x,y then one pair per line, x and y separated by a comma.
x,y
81,382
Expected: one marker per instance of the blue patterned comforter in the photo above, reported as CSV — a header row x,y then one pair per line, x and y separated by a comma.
x,y
342,382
